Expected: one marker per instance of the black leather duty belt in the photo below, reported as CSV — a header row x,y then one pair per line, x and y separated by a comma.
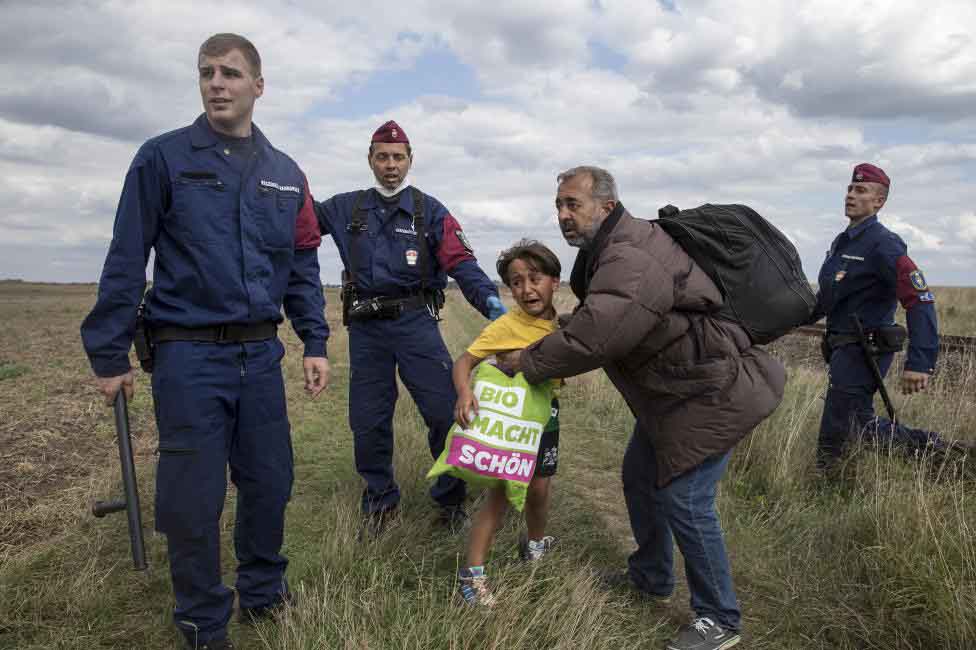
x,y
837,340
229,333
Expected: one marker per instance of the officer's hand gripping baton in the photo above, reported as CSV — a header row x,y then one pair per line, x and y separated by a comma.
x,y
131,501
862,339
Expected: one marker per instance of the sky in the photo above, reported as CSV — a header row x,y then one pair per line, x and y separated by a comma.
x,y
767,103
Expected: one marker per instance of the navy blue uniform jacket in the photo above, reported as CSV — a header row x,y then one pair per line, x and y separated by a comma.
x,y
867,272
230,247
387,255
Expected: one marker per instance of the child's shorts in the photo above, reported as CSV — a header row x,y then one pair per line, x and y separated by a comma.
x,y
549,445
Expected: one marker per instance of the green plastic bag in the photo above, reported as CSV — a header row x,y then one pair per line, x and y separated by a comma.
x,y
501,445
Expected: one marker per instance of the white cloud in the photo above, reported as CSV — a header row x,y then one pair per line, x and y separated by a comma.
x,y
767,104
966,227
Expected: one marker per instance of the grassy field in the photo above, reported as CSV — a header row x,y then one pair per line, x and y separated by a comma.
x,y
886,558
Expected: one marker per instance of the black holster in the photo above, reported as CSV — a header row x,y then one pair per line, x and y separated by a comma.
x,y
347,295
888,338
143,342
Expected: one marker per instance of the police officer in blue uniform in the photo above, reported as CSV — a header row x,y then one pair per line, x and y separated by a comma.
x,y
233,226
866,272
398,246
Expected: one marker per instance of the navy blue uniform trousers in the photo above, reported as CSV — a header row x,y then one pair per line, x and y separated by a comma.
x,y
219,405
413,345
849,408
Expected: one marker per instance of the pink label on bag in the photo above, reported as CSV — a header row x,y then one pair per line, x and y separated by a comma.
x,y
474,456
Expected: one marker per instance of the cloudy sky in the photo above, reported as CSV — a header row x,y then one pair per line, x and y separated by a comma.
x,y
768,103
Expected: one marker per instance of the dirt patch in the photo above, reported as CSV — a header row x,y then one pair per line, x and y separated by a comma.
x,y
55,433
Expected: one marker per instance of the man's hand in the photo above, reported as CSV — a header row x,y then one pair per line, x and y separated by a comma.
x,y
109,386
316,375
465,408
913,382
509,362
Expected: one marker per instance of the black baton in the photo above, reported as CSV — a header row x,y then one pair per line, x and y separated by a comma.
x,y
131,501
873,365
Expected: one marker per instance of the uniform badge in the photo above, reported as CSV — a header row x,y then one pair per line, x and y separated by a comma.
x,y
411,256
918,280
840,276
464,241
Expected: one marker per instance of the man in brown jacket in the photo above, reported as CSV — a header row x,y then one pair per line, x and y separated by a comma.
x,y
696,385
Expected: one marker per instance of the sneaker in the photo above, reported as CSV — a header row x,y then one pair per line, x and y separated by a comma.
x,y
473,588
704,634
531,550
454,518
374,524
620,580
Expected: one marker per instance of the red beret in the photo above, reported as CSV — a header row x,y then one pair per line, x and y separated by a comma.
x,y
390,132
868,173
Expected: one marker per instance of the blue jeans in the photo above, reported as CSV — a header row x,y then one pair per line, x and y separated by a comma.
x,y
682,511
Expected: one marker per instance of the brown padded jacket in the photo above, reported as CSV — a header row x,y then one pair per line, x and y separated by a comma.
x,y
695,383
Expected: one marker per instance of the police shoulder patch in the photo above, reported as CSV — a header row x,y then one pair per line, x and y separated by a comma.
x,y
918,280
464,241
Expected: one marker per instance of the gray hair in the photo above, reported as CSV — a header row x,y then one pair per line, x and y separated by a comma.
x,y
604,187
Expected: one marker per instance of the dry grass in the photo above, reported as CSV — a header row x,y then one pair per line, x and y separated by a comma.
x,y
883,559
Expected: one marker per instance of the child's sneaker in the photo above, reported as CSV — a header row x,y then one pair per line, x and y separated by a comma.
x,y
473,587
532,550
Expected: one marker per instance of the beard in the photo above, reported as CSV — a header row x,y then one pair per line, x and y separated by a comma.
x,y
580,238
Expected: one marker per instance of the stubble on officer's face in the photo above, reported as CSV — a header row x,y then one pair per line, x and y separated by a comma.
x,y
390,162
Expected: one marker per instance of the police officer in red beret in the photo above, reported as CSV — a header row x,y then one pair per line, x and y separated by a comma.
x,y
868,271
398,246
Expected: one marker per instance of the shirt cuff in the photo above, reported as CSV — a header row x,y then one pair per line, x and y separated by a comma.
x,y
315,348
110,366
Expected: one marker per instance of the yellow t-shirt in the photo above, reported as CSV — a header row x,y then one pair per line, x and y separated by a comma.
x,y
512,330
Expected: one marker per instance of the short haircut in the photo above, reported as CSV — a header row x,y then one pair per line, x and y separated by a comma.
x,y
534,253
604,187
221,44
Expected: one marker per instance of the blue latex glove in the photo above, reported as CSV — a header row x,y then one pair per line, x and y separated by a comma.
x,y
495,307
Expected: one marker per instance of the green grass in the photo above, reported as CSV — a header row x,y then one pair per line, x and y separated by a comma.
x,y
11,370
884,558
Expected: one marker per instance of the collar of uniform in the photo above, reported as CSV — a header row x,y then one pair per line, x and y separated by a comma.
x,y
856,231
404,200
202,135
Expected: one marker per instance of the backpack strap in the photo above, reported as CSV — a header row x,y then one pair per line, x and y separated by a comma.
x,y
358,224
418,226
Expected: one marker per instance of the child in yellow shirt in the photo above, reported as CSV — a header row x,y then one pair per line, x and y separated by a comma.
x,y
531,271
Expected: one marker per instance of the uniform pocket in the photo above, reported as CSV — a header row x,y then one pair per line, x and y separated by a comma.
x,y
276,221
202,208
176,505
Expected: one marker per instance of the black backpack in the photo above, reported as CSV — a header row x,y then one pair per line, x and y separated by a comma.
x,y
752,263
